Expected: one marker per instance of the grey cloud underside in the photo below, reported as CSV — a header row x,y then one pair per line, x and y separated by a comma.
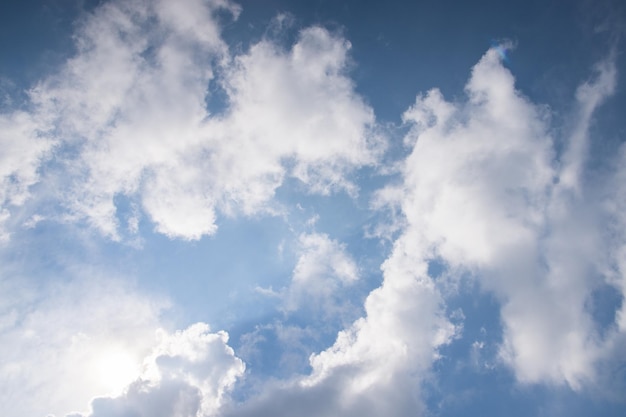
x,y
482,191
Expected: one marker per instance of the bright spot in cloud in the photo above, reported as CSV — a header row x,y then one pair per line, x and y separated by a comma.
x,y
116,368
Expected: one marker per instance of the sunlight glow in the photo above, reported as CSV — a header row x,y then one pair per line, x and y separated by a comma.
x,y
116,369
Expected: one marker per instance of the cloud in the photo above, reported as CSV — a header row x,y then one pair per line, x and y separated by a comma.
x,y
323,271
485,192
187,374
318,300
377,365
128,108
98,341
129,119
616,207
300,105
486,195
24,145
65,342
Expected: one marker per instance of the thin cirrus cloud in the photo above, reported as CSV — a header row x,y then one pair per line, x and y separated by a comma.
x,y
484,193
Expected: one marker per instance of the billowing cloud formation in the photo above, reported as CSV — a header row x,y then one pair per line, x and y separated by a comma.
x,y
297,105
66,344
129,103
187,375
485,192
129,111
375,367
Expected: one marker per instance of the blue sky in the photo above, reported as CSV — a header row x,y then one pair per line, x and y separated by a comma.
x,y
312,208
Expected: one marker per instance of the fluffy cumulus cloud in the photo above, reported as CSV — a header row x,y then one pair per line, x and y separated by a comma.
x,y
99,344
128,113
128,129
187,375
297,106
129,105
485,193
376,365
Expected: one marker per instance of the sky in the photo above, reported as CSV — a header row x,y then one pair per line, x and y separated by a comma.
x,y
312,208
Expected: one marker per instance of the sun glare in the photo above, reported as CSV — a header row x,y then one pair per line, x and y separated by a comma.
x,y
116,369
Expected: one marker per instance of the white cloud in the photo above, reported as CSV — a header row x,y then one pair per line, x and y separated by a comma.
x,y
479,193
484,193
128,113
616,208
187,375
318,300
398,338
323,271
60,341
291,113
64,344
128,116
589,97
376,365
130,104
23,145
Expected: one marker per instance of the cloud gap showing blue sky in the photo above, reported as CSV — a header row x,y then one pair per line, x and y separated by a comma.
x,y
221,208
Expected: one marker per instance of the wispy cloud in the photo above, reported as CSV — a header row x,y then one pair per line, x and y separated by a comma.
x,y
24,146
58,341
322,271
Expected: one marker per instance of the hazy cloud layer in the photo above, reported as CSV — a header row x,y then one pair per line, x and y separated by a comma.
x,y
24,146
65,343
